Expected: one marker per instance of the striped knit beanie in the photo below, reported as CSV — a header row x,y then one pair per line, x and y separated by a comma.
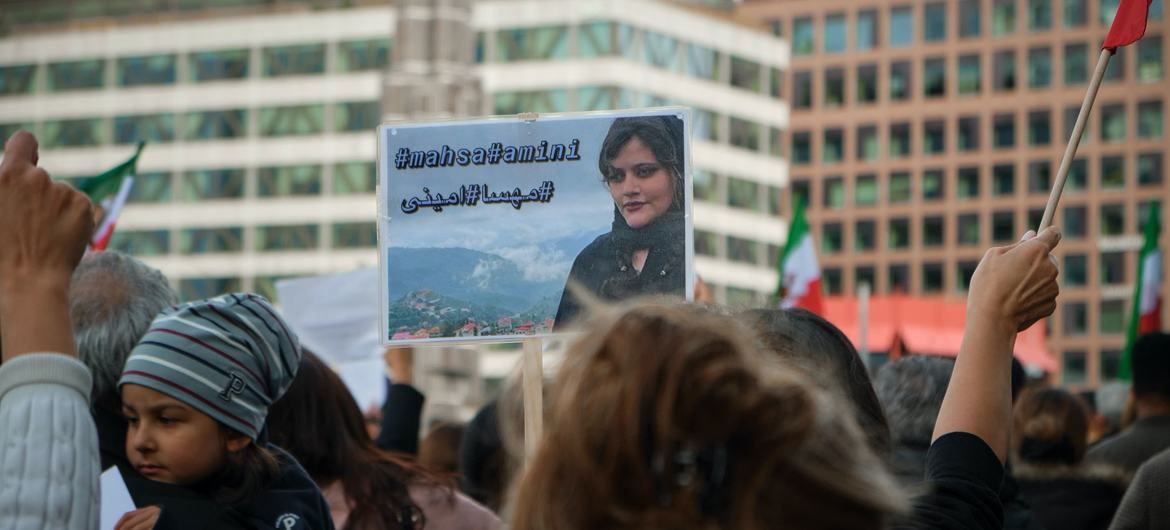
x,y
229,357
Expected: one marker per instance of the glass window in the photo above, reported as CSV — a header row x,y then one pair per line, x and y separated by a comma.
x,y
301,59
864,275
705,185
968,229
1039,67
1112,321
706,243
742,250
1112,220
867,90
1149,169
1075,222
864,238
1003,179
801,147
354,178
745,134
867,35
146,70
702,62
831,238
1110,364
970,76
357,116
1149,59
151,187
802,89
17,79
1003,227
1106,10
1112,268
834,193
594,97
899,140
288,237
1039,15
85,132
1004,131
898,277
598,38
1150,119
1005,70
968,182
799,191
1076,318
968,137
1070,121
867,190
775,83
1039,176
901,27
203,288
899,80
1003,17
362,55
1113,122
215,65
934,77
76,75
152,128
834,87
932,277
212,184
1039,127
292,120
934,137
141,243
774,194
934,22
835,33
743,194
530,44
970,18
964,270
868,144
1116,69
933,185
212,124
9,129
286,181
211,240
831,280
900,187
1075,271
898,235
803,36
1076,64
933,231
745,74
1075,14
553,100
832,150
661,51
1078,175
1074,367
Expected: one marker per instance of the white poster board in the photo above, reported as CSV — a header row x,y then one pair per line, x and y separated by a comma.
x,y
484,222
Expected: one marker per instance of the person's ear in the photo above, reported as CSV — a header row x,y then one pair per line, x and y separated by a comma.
x,y
236,441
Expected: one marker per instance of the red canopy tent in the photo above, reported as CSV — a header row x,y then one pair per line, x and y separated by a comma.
x,y
901,324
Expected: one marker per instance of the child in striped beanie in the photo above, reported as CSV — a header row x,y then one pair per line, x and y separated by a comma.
x,y
196,391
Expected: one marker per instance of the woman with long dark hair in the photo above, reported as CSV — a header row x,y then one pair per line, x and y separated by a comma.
x,y
643,165
367,488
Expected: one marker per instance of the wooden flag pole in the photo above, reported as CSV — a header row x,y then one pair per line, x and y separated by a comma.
x,y
1075,140
533,385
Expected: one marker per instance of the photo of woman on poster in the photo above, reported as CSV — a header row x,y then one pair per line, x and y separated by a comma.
x,y
642,165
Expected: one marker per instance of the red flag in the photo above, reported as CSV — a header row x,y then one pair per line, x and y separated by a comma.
x,y
1128,25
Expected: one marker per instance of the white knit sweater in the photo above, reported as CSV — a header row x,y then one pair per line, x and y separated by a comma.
x,y
49,468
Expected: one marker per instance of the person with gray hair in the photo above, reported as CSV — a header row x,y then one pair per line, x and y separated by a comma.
x,y
911,391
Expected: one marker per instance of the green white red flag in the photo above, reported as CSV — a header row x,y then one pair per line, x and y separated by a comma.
x,y
1146,313
800,274
109,192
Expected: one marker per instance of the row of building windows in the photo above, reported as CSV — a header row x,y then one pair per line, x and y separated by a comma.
x,y
736,192
189,241
1074,363
1149,123
967,77
348,178
292,120
201,67
602,38
895,27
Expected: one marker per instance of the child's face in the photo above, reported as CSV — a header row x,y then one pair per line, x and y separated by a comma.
x,y
169,441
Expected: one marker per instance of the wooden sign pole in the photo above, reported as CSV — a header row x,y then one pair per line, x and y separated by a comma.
x,y
533,385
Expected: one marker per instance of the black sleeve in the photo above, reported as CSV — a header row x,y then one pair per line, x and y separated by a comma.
x,y
963,475
401,416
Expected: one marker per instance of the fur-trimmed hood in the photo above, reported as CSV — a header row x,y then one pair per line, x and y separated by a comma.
x,y
1086,471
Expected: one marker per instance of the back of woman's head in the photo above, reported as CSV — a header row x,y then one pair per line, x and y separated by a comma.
x,y
1051,427
664,416
825,354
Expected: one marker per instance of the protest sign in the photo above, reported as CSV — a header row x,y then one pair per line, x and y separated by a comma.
x,y
484,222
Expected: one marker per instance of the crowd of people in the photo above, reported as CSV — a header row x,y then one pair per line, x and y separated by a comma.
x,y
662,415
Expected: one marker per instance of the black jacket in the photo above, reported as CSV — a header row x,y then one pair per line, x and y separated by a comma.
x,y
1073,498
600,266
963,476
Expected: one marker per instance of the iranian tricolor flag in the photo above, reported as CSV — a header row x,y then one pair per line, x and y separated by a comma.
x,y
800,274
109,192
1146,315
